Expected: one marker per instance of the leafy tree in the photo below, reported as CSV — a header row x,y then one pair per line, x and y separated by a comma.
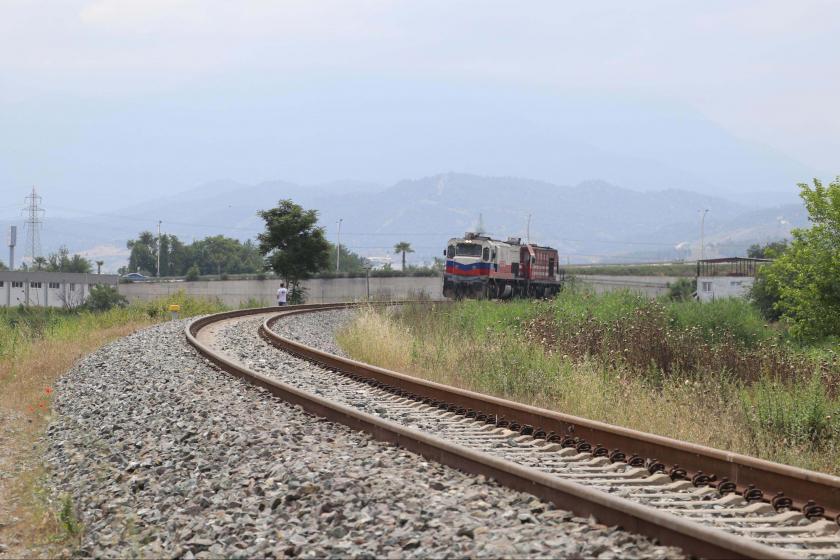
x,y
164,255
103,298
220,250
768,251
763,293
61,261
3,266
807,275
39,263
143,253
349,261
403,247
213,255
293,246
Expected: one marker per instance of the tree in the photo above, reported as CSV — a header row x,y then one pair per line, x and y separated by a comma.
x,y
763,293
143,253
215,254
807,275
292,244
349,261
3,266
163,247
767,251
39,263
220,250
403,247
99,266
61,261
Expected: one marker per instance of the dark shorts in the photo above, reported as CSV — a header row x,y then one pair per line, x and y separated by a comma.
x,y
281,303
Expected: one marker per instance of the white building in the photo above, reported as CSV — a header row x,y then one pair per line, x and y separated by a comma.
x,y
726,277
49,289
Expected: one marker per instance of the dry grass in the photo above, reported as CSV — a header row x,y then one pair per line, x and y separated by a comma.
x,y
27,376
710,411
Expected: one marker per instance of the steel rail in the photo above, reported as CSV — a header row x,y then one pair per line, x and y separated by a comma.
x,y
765,480
669,529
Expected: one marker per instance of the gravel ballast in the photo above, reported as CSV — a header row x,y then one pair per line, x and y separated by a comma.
x,y
163,455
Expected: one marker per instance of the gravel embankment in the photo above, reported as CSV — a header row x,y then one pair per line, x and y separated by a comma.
x,y
165,456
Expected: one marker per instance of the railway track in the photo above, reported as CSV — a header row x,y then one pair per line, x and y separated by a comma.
x,y
709,502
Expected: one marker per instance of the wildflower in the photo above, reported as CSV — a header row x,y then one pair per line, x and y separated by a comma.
x,y
42,406
48,390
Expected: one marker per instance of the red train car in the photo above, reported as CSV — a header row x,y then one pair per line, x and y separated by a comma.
x,y
480,267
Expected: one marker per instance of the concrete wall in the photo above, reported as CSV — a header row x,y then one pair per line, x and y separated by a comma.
x,y
234,293
648,285
710,288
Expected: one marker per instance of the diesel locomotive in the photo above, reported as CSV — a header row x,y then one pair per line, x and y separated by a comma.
x,y
480,267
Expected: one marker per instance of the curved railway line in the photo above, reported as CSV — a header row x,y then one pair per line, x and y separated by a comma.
x,y
709,502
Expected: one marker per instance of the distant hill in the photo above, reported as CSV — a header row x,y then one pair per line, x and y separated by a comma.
x,y
590,222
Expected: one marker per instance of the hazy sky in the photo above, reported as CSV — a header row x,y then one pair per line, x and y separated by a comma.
x,y
104,102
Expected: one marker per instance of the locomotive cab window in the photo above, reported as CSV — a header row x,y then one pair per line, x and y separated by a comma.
x,y
485,255
450,251
468,250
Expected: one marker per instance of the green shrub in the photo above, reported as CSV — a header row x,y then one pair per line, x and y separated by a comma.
x,y
799,413
720,319
683,289
193,273
103,298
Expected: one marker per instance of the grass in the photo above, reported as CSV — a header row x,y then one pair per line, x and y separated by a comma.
x,y
710,374
36,347
663,269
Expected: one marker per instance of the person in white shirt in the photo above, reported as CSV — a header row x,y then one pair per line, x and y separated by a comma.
x,y
281,294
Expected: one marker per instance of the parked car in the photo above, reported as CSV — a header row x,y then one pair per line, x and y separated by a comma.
x,y
134,277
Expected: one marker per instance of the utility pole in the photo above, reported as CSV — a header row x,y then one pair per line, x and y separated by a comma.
x,y
702,232
338,247
12,243
528,230
34,219
158,250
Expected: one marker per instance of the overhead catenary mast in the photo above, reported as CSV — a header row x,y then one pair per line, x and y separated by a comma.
x,y
32,226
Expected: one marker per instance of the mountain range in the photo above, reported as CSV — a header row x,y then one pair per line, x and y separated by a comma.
x,y
593,221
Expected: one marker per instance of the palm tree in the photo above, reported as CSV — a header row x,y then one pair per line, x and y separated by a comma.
x,y
403,247
39,263
99,266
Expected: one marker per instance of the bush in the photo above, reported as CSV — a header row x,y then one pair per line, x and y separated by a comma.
x,y
683,289
297,294
193,274
799,413
721,319
765,296
103,298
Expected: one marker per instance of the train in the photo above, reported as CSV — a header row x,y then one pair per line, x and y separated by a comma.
x,y
480,267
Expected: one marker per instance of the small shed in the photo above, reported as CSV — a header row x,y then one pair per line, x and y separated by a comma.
x,y
726,277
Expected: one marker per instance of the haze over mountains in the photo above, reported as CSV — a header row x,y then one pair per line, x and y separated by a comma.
x,y
593,221
382,133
